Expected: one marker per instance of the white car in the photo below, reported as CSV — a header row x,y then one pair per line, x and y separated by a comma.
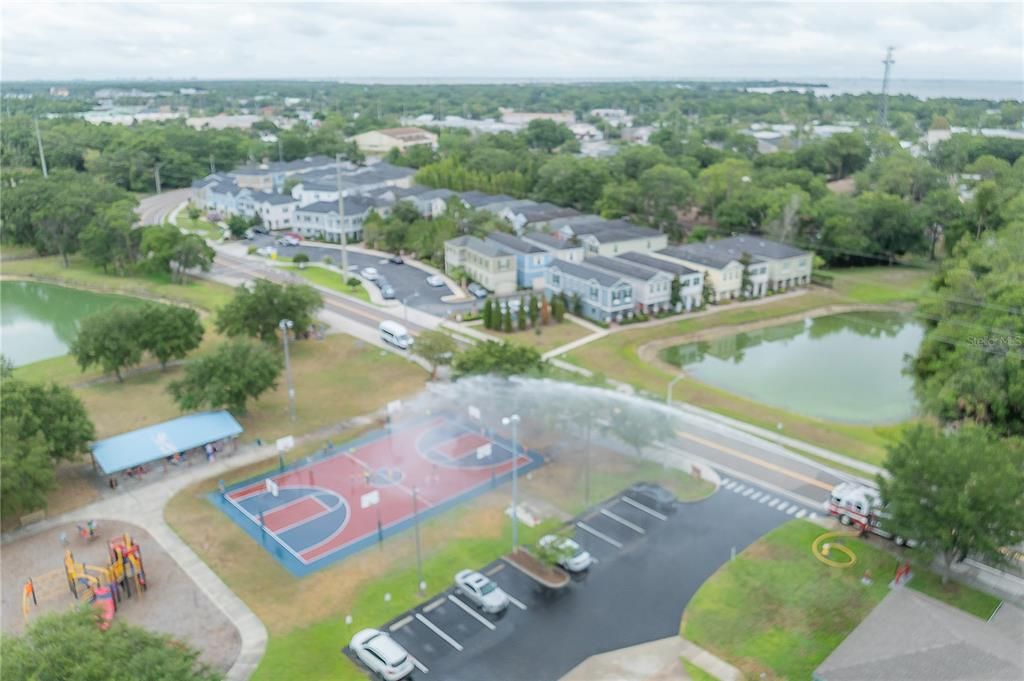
x,y
382,655
266,251
435,280
370,273
576,558
484,593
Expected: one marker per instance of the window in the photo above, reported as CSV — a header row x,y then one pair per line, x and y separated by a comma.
x,y
556,278
595,293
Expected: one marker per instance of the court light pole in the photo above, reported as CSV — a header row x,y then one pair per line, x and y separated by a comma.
x,y
514,422
286,326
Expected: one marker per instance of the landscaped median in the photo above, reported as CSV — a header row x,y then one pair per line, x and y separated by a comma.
x,y
330,279
778,610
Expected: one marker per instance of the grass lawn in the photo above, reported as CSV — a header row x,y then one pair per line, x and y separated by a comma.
x,y
550,337
696,673
9,251
331,280
881,284
204,228
779,611
201,293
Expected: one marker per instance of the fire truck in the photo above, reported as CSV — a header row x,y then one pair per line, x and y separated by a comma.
x,y
860,506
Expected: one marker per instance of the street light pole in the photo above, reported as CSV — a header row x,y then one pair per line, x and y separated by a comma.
x,y
405,303
286,326
341,220
672,384
514,422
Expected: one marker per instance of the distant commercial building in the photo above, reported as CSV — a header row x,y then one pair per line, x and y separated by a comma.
x,y
383,141
524,117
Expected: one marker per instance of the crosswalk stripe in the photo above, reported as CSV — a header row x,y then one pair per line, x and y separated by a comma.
x,y
756,496
774,502
792,510
731,485
782,507
748,492
723,481
801,514
765,498
740,489
812,516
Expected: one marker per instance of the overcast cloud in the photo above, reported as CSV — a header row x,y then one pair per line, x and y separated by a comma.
x,y
43,40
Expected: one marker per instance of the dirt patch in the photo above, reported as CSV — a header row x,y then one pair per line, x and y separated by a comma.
x,y
173,603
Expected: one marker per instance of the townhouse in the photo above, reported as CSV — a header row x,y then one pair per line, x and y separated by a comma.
x,y
320,220
788,266
652,289
276,211
485,262
604,296
430,203
691,282
532,260
558,248
271,176
610,237
323,186
536,216
722,270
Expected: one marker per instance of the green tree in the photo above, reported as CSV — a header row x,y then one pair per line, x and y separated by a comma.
x,y
707,291
109,339
238,226
717,183
746,286
558,309
110,240
192,252
675,297
534,310
506,318
503,359
664,191
546,134
571,181
257,310
959,494
521,314
436,347
300,259
227,378
27,474
640,426
486,314
168,331
70,646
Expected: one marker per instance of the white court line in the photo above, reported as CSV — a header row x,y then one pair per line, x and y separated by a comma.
x,y
419,665
600,535
400,623
801,514
309,518
619,519
435,604
648,511
437,630
730,485
471,612
740,488
749,491
765,498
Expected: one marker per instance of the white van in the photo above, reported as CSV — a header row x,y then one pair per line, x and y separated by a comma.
x,y
396,334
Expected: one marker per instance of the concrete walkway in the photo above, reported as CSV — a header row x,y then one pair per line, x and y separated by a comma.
x,y
651,661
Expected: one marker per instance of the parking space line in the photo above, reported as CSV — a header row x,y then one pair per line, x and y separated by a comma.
x,y
436,604
801,514
495,570
437,630
471,612
648,511
513,600
619,519
419,665
600,535
400,623
774,502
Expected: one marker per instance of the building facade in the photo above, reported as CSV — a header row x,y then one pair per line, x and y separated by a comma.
x,y
603,296
485,262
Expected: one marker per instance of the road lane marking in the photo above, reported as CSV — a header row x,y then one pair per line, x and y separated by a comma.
x,y
756,460
471,612
437,630
619,519
600,535
774,502
400,623
645,509
436,604
801,514
419,665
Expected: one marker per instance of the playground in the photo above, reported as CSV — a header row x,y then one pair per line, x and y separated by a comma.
x,y
327,507
170,603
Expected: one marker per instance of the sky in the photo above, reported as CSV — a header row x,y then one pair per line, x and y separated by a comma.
x,y
484,40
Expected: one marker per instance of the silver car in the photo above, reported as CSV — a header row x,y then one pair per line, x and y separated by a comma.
x,y
484,593
574,557
370,273
382,655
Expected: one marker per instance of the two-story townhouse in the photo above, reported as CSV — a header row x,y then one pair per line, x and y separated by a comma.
x,y
604,296
271,176
499,207
485,262
558,248
320,220
201,190
691,282
611,237
787,266
323,186
531,260
221,197
535,217
723,269
477,200
652,289
276,211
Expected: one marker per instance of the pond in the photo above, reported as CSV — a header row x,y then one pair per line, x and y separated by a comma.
x,y
39,321
844,367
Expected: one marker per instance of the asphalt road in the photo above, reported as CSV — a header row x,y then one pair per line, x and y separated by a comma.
x,y
154,210
635,593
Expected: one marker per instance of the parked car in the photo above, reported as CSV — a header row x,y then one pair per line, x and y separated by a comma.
x,y
435,280
382,654
576,558
249,234
370,273
260,229
288,241
477,290
266,251
396,260
387,291
484,593
652,496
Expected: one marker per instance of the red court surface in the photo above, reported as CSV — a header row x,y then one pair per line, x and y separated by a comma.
x,y
318,516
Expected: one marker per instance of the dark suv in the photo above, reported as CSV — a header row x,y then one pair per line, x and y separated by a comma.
x,y
652,496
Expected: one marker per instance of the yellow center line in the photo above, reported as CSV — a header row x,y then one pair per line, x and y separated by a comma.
x,y
756,461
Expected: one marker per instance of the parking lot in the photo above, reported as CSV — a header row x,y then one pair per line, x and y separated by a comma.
x,y
649,565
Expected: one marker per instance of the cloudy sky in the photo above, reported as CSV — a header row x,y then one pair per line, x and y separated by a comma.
x,y
955,40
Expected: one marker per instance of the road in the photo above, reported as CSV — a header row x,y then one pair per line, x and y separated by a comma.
x,y
154,210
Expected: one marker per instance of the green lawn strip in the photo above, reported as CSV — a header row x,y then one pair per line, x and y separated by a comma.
x,y
201,293
331,280
9,251
977,603
777,609
696,673
881,284
551,336
204,228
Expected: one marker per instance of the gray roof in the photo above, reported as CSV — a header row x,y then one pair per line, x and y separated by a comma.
x,y
487,248
609,236
514,243
586,272
475,199
208,180
757,245
706,254
354,205
658,263
608,230
271,198
435,194
548,241
295,166
623,267
542,212
912,636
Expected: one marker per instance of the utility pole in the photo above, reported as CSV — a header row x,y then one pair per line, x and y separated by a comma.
x,y
42,156
286,325
280,152
341,221
156,176
514,422
888,61
213,168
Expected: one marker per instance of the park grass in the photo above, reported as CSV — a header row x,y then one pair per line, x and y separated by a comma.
x,y
551,336
881,284
200,293
777,612
17,251
200,226
696,673
331,280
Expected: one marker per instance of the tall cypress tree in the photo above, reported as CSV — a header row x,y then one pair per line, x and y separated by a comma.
x,y
486,314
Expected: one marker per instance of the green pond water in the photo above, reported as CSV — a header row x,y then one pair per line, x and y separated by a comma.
x,y
39,321
845,367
